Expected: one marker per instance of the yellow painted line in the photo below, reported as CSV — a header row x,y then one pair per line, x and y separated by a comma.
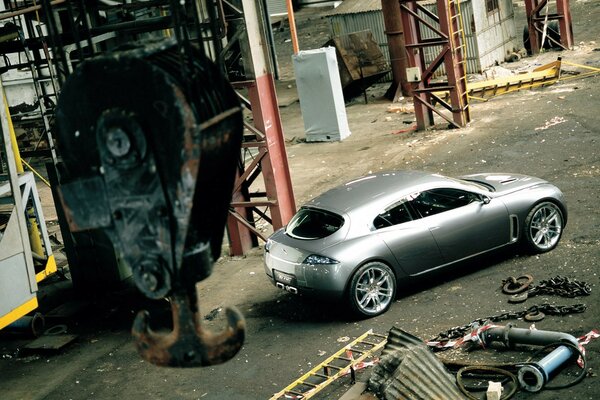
x,y
18,312
580,76
581,66
48,270
477,98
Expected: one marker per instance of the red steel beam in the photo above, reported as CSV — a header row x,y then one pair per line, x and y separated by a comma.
x,y
536,18
268,138
275,168
454,60
395,37
452,54
565,23
531,7
408,10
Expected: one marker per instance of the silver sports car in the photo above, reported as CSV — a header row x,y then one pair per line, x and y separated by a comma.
x,y
360,239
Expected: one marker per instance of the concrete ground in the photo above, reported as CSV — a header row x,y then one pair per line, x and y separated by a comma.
x,y
551,132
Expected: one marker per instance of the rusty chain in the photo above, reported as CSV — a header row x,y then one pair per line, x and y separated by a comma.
x,y
561,286
557,286
521,288
546,308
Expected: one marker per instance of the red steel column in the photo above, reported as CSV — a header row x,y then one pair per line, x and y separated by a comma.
x,y
565,23
412,38
395,37
454,61
265,112
533,10
530,11
292,21
275,169
240,237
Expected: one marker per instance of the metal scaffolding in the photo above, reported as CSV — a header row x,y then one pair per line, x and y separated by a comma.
x,y
448,28
540,29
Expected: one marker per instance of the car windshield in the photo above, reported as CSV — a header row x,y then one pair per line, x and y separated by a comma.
x,y
312,223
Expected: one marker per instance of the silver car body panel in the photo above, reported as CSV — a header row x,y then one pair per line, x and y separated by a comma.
x,y
411,248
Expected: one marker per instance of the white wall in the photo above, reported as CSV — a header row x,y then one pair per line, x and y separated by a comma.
x,y
495,32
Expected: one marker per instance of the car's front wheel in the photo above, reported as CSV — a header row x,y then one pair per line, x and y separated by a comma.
x,y
543,227
372,289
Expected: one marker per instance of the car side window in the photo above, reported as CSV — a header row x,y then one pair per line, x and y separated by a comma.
x,y
393,215
436,201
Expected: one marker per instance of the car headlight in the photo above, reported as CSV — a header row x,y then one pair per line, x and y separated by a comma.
x,y
315,259
268,245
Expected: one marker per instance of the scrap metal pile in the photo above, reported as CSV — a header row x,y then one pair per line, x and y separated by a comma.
x,y
407,360
410,368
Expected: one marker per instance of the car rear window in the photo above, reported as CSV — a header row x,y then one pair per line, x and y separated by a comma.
x,y
312,223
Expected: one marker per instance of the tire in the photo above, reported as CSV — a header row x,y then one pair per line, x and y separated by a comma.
x,y
372,289
552,31
543,227
526,43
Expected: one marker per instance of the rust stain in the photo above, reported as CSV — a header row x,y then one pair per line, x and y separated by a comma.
x,y
73,227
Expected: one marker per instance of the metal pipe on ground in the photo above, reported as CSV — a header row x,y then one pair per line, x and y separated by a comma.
x,y
31,325
534,376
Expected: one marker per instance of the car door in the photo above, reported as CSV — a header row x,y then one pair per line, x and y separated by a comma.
x,y
461,222
410,241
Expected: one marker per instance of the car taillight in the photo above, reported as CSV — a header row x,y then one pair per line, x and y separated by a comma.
x,y
316,259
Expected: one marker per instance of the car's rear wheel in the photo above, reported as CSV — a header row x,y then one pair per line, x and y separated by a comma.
x,y
543,227
372,289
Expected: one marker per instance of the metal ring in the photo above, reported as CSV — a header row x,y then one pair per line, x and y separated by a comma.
x,y
491,370
518,298
56,330
534,316
509,286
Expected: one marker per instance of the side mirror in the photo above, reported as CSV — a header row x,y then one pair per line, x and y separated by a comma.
x,y
485,199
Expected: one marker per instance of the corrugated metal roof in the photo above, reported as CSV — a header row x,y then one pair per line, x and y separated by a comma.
x,y
356,6
408,369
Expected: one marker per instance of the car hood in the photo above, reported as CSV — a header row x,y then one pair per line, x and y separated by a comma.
x,y
504,183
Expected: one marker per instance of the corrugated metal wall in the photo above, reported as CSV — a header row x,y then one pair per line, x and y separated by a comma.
x,y
494,33
276,7
372,20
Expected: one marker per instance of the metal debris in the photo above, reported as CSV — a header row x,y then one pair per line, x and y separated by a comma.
x,y
409,370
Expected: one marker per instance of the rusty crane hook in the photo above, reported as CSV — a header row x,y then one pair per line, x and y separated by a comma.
x,y
188,344
157,182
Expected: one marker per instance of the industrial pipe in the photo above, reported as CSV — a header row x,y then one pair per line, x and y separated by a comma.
x,y
154,23
30,324
534,376
292,22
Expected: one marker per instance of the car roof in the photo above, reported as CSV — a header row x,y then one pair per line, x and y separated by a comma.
x,y
376,190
